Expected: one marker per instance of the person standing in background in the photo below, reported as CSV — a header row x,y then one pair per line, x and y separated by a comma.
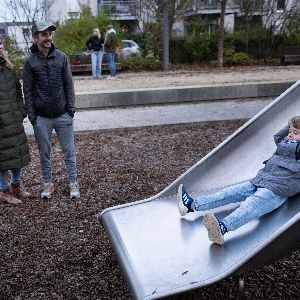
x,y
95,44
14,149
110,45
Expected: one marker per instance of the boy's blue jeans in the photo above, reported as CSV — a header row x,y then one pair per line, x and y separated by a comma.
x,y
256,202
15,178
96,57
63,126
111,63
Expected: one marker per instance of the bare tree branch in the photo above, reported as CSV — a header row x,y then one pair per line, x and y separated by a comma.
x,y
27,11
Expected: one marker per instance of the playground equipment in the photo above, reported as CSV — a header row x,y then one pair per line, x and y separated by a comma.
x,y
161,253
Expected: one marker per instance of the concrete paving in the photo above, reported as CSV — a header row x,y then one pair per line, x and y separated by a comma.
x,y
165,95
166,114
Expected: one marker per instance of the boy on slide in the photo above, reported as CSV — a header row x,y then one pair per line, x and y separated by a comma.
x,y
269,189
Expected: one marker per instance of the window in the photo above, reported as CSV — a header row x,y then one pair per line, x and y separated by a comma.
x,y
2,33
26,32
280,4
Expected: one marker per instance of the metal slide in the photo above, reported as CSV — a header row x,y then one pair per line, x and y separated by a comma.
x,y
161,253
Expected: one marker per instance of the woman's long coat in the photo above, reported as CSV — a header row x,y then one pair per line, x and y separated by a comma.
x,y
14,150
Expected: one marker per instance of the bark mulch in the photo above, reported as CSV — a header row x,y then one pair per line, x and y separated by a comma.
x,y
57,249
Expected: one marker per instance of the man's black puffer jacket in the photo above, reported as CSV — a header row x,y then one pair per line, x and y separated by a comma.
x,y
48,84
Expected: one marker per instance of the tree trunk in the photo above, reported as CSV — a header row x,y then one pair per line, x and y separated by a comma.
x,y
166,36
221,33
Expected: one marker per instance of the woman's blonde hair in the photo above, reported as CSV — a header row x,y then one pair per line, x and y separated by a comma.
x,y
97,29
295,122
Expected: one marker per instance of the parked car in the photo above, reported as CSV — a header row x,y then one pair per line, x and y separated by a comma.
x,y
130,47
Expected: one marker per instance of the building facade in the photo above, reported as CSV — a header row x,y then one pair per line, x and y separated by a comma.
x,y
19,31
267,13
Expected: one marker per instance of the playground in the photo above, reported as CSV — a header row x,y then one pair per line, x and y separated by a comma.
x,y
57,249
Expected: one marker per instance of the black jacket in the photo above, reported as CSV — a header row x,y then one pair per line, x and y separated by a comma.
x,y
48,84
94,43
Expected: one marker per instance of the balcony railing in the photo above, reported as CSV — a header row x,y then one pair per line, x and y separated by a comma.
x,y
119,8
208,4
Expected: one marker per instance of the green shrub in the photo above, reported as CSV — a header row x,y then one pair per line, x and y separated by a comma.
x,y
15,54
72,36
237,58
140,63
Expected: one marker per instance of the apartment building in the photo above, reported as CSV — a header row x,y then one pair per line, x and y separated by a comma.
x,y
126,12
269,13
19,31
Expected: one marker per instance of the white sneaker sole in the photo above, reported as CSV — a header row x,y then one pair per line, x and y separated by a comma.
x,y
213,229
182,209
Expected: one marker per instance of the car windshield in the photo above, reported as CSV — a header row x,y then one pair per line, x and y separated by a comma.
x,y
127,45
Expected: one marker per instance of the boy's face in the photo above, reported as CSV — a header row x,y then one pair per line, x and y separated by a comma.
x,y
294,134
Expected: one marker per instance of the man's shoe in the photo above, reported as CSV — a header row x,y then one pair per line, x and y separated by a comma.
x,y
215,229
184,201
47,191
17,191
6,197
74,190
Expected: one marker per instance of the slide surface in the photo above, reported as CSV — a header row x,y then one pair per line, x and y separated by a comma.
x,y
161,253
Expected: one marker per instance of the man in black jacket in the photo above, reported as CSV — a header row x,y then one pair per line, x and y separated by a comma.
x,y
50,102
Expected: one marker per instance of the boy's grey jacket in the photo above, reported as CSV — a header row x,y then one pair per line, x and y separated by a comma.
x,y
48,84
281,173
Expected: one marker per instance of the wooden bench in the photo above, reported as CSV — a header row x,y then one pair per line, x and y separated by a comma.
x,y
290,55
88,67
82,63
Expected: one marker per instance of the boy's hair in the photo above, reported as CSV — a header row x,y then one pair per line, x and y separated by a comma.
x,y
295,122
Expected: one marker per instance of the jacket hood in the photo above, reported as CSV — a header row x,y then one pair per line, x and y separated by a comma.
x,y
4,60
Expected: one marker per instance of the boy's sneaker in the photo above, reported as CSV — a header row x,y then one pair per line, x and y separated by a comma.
x,y
215,229
47,191
184,201
74,190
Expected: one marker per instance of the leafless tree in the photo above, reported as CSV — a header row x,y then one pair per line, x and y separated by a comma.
x,y
248,9
276,17
276,14
27,11
223,4
176,9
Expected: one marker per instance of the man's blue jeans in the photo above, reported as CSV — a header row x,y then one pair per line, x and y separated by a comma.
x,y
63,126
256,202
96,57
15,178
111,63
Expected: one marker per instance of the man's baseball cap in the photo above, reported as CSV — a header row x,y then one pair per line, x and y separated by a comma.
x,y
40,26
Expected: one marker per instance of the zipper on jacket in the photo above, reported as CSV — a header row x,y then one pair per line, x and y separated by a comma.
x,y
49,86
297,151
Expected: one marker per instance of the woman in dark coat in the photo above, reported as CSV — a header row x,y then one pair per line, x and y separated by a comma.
x,y
14,150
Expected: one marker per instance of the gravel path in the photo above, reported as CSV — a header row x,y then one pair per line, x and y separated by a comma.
x,y
205,76
57,250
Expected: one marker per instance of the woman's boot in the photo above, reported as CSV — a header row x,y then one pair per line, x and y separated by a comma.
x,y
17,191
6,197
